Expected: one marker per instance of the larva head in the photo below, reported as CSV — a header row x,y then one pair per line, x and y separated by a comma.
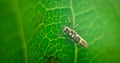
x,y
66,30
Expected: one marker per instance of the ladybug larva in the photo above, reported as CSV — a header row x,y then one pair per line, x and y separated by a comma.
x,y
74,36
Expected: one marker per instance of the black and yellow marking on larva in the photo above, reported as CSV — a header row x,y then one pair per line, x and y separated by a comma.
x,y
74,36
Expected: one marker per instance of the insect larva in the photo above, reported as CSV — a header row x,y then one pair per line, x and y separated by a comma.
x,y
74,36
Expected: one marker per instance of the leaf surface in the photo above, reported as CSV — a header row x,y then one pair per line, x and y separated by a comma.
x,y
31,31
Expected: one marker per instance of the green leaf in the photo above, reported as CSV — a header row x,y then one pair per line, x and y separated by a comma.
x,y
31,31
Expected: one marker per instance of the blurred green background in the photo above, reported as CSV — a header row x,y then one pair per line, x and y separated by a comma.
x,y
29,31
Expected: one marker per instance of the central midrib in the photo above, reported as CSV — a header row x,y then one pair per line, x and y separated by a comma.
x,y
73,22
